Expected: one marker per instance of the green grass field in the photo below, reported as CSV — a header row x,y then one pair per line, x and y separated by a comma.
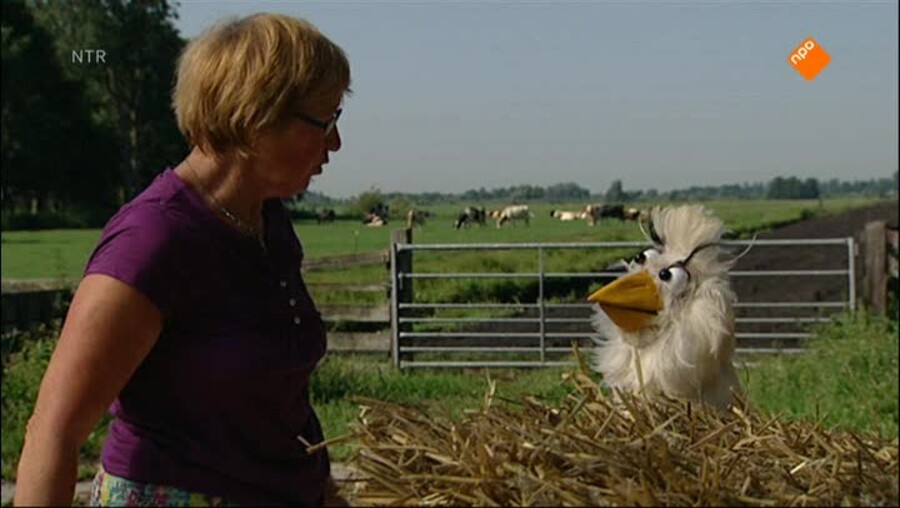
x,y
62,254
850,379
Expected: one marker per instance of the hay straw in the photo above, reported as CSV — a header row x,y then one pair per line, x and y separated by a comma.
x,y
622,450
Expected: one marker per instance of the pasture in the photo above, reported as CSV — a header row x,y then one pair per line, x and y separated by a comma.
x,y
62,254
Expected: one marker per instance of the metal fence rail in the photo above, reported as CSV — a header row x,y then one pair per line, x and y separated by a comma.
x,y
507,336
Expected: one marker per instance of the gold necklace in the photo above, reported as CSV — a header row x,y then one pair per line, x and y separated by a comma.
x,y
247,229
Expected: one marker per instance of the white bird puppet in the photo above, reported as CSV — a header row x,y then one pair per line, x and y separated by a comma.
x,y
668,322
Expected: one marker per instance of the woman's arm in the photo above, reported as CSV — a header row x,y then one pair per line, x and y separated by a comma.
x,y
109,330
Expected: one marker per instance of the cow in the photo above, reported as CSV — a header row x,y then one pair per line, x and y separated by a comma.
x,y
416,218
376,216
469,216
635,214
595,212
512,214
566,216
326,215
374,221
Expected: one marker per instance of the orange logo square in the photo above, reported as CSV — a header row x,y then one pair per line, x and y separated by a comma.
x,y
809,58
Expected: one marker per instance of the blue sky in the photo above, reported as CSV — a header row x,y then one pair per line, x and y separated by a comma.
x,y
453,95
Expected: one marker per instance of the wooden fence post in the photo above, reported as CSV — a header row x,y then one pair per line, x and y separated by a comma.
x,y
404,291
893,264
875,266
404,262
28,303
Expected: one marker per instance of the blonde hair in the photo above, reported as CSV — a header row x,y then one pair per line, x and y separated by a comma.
x,y
246,76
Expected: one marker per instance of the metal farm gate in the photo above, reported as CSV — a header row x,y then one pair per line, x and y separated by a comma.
x,y
498,324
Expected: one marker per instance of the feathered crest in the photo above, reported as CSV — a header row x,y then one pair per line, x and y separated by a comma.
x,y
693,230
653,236
681,229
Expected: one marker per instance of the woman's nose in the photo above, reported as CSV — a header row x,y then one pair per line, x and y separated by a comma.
x,y
333,142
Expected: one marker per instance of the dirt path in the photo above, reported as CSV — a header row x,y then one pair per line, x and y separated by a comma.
x,y
808,288
839,225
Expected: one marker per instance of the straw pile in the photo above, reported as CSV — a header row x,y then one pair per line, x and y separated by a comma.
x,y
595,450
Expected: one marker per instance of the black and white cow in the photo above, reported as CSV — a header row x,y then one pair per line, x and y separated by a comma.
x,y
593,213
470,215
377,216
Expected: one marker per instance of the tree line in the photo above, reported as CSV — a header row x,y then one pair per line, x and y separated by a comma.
x,y
777,188
86,116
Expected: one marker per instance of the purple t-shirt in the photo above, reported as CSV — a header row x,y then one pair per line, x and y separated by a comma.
x,y
218,403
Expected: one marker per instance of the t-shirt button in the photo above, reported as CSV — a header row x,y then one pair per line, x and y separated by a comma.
x,y
283,283
296,320
292,302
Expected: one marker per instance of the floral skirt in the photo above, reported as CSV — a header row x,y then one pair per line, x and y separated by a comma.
x,y
110,490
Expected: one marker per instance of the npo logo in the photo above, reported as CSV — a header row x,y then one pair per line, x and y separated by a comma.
x,y
809,58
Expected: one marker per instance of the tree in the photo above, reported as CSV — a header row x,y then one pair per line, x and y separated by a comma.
x,y
129,91
46,124
521,193
566,192
615,194
810,189
399,206
371,199
793,188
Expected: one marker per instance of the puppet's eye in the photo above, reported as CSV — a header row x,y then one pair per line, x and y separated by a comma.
x,y
644,256
675,277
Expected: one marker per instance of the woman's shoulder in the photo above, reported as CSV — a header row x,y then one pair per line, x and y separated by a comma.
x,y
162,222
151,243
165,209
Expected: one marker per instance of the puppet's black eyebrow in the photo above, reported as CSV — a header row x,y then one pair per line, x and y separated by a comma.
x,y
683,263
697,249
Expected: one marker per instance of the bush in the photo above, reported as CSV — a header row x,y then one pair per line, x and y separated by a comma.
x,y
22,374
72,218
12,221
302,214
366,201
21,380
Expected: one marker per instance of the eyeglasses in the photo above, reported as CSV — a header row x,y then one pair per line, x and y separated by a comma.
x,y
325,126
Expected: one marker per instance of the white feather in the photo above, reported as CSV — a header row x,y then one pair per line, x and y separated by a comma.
x,y
687,352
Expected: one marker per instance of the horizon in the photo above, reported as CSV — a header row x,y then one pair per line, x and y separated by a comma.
x,y
599,195
454,96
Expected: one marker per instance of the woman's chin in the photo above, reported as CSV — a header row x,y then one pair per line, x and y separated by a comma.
x,y
304,184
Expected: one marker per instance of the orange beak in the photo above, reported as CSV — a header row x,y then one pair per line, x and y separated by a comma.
x,y
631,301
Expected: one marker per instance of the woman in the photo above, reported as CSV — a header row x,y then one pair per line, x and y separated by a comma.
x,y
192,323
